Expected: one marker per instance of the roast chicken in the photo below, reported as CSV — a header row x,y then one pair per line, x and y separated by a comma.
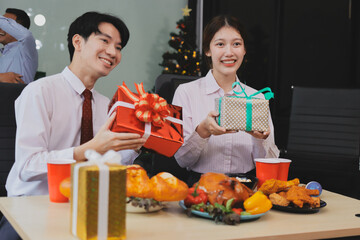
x,y
161,187
221,188
166,187
137,182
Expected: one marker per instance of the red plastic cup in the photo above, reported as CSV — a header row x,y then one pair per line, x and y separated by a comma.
x,y
58,170
283,169
266,168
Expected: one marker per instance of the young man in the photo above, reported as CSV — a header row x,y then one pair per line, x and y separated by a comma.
x,y
19,60
49,111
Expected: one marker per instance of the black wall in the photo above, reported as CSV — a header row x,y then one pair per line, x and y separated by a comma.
x,y
295,43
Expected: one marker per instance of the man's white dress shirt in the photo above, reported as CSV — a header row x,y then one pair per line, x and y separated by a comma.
x,y
21,56
48,117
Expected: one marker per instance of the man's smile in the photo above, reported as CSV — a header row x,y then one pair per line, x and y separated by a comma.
x,y
107,61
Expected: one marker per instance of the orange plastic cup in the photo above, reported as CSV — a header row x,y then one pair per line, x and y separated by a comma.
x,y
266,168
58,170
283,169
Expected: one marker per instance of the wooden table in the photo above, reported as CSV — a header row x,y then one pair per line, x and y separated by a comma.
x,y
39,219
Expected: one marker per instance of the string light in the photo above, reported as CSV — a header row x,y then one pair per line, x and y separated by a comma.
x,y
184,59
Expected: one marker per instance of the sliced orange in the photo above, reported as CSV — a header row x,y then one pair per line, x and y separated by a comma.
x,y
65,187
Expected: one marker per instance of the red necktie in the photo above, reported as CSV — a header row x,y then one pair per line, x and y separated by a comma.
x,y
86,120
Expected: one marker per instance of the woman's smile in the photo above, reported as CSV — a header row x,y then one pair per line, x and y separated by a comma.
x,y
228,63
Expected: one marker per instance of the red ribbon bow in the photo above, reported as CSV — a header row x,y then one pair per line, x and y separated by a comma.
x,y
149,107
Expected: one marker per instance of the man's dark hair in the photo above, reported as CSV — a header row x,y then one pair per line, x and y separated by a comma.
x,y
21,16
88,23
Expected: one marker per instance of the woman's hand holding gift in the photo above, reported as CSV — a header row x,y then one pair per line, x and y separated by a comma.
x,y
209,126
259,135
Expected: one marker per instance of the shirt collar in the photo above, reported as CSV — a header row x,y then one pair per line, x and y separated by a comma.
x,y
8,46
74,81
212,86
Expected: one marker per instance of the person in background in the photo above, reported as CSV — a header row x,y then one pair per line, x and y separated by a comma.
x,y
19,60
49,111
207,146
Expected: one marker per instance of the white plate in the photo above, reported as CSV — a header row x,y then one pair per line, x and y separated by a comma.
x,y
131,209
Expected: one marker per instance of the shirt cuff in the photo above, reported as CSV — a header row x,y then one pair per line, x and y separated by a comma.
x,y
195,141
271,150
190,151
36,168
128,156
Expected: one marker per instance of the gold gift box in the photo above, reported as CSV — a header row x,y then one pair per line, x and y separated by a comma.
x,y
87,199
233,114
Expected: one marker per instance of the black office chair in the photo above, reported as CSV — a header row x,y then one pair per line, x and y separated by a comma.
x,y
39,74
165,86
8,93
324,138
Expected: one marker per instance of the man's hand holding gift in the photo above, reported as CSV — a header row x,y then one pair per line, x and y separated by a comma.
x,y
149,116
106,140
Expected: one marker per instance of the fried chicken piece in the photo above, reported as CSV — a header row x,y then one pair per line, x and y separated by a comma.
x,y
316,201
299,196
283,194
312,192
274,186
278,199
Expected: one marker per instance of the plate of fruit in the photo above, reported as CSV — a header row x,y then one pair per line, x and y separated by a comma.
x,y
224,199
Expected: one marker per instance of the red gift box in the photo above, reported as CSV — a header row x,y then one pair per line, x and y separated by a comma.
x,y
165,136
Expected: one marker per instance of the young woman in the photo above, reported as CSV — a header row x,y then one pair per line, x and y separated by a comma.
x,y
207,146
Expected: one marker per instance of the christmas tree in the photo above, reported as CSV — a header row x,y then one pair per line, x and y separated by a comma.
x,y
185,60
